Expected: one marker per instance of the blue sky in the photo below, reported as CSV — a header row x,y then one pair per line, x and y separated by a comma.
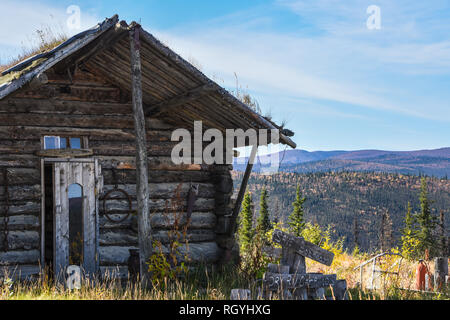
x,y
313,64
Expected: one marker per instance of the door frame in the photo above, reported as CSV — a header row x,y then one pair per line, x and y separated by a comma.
x,y
98,181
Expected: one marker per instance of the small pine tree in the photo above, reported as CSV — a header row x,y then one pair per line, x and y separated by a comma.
x,y
410,243
426,221
296,219
263,222
386,232
246,221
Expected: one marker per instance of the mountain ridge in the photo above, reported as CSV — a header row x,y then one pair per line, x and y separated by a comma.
x,y
427,161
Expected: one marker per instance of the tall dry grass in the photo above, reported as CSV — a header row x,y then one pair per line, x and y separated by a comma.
x,y
42,40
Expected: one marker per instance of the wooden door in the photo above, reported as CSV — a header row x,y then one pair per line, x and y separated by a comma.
x,y
76,187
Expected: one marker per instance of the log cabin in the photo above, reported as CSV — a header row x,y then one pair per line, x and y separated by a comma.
x,y
85,154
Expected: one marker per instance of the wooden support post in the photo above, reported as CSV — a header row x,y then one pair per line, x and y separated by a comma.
x,y
242,189
142,189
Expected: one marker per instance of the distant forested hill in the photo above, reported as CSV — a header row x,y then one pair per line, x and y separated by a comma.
x,y
429,162
338,198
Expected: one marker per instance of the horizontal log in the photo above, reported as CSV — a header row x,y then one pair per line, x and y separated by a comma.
x,y
129,177
199,220
120,148
19,160
163,190
22,208
19,272
114,255
20,257
35,106
158,205
21,222
72,120
21,193
206,252
19,147
154,163
118,237
126,237
277,281
21,176
24,240
303,247
72,92
31,132
191,236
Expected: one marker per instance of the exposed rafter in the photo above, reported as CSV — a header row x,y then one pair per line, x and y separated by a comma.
x,y
178,101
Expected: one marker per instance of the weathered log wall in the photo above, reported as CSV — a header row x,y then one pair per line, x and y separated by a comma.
x,y
91,108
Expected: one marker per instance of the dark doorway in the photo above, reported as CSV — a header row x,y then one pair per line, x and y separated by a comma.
x,y
48,188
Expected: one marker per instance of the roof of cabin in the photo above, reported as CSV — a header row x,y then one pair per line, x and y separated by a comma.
x,y
172,88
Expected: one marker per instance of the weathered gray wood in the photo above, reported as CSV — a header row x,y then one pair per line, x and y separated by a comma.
x,y
204,252
89,217
280,281
164,190
294,260
240,294
21,222
24,240
114,255
340,290
277,268
60,223
20,257
199,220
19,272
21,193
303,247
66,174
142,190
440,271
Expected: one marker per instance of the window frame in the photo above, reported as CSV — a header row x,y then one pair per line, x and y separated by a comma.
x,y
84,141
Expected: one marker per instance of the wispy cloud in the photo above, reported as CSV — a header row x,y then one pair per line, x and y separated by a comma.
x,y
21,19
326,67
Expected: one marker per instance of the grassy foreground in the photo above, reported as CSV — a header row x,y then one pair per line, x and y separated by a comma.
x,y
213,285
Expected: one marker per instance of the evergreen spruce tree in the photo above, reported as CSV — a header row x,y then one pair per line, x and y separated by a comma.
x,y
409,222
246,221
425,220
386,239
296,219
263,222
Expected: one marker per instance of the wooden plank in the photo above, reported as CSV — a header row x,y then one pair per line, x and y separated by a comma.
x,y
303,247
282,281
61,219
143,210
89,217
